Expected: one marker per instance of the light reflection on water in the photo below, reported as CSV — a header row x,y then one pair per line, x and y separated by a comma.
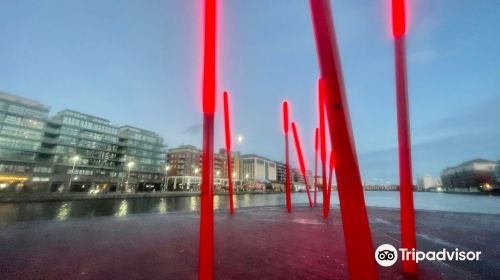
x,y
61,211
162,206
122,209
64,210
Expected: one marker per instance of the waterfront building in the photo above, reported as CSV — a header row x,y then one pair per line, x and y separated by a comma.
x,y
74,151
85,149
185,160
298,179
23,162
220,159
185,168
280,172
474,175
428,182
143,152
256,167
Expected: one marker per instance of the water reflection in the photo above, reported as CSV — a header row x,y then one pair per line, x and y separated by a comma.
x,y
193,203
64,211
122,209
217,202
162,206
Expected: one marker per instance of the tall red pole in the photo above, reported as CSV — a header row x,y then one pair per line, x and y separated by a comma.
x,y
321,108
227,127
287,161
315,164
302,163
206,252
405,174
357,236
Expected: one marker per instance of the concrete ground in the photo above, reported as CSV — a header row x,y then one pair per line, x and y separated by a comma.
x,y
256,243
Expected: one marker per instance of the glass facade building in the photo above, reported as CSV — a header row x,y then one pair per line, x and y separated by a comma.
x,y
88,143
73,151
22,123
144,152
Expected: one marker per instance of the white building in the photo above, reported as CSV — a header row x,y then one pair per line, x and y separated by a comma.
x,y
428,182
255,167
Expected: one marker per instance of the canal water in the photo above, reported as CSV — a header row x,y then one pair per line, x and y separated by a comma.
x,y
63,210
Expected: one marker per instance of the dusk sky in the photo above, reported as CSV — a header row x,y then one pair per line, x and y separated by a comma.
x,y
139,63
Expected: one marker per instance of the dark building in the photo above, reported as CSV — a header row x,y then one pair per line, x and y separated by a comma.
x,y
474,175
280,172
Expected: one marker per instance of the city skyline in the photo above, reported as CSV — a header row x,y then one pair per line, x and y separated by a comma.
x,y
139,63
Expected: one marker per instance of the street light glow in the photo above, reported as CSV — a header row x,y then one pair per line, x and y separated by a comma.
x,y
130,164
240,138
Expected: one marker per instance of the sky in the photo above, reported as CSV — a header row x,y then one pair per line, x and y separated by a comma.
x,y
139,63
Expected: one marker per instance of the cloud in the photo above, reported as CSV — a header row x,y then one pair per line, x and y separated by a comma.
x,y
194,129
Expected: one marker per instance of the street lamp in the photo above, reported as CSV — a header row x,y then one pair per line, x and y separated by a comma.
x,y
217,173
74,159
130,164
240,138
165,185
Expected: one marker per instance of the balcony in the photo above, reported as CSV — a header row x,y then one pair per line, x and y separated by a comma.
x,y
49,140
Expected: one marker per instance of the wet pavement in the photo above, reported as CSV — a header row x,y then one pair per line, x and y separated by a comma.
x,y
256,243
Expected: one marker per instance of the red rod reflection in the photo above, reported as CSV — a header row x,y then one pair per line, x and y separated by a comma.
x,y
302,163
357,236
227,127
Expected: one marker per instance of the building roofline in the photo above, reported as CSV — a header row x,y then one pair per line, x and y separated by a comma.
x,y
23,100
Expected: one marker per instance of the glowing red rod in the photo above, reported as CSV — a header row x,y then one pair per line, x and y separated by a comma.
x,y
332,164
206,252
405,173
228,149
287,163
356,228
321,109
398,18
315,164
302,164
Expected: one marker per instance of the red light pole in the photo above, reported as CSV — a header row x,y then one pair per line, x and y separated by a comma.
x,y
315,164
206,252
228,149
321,108
359,247
287,160
405,174
302,164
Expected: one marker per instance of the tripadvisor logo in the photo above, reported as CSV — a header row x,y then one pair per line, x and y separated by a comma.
x,y
387,255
